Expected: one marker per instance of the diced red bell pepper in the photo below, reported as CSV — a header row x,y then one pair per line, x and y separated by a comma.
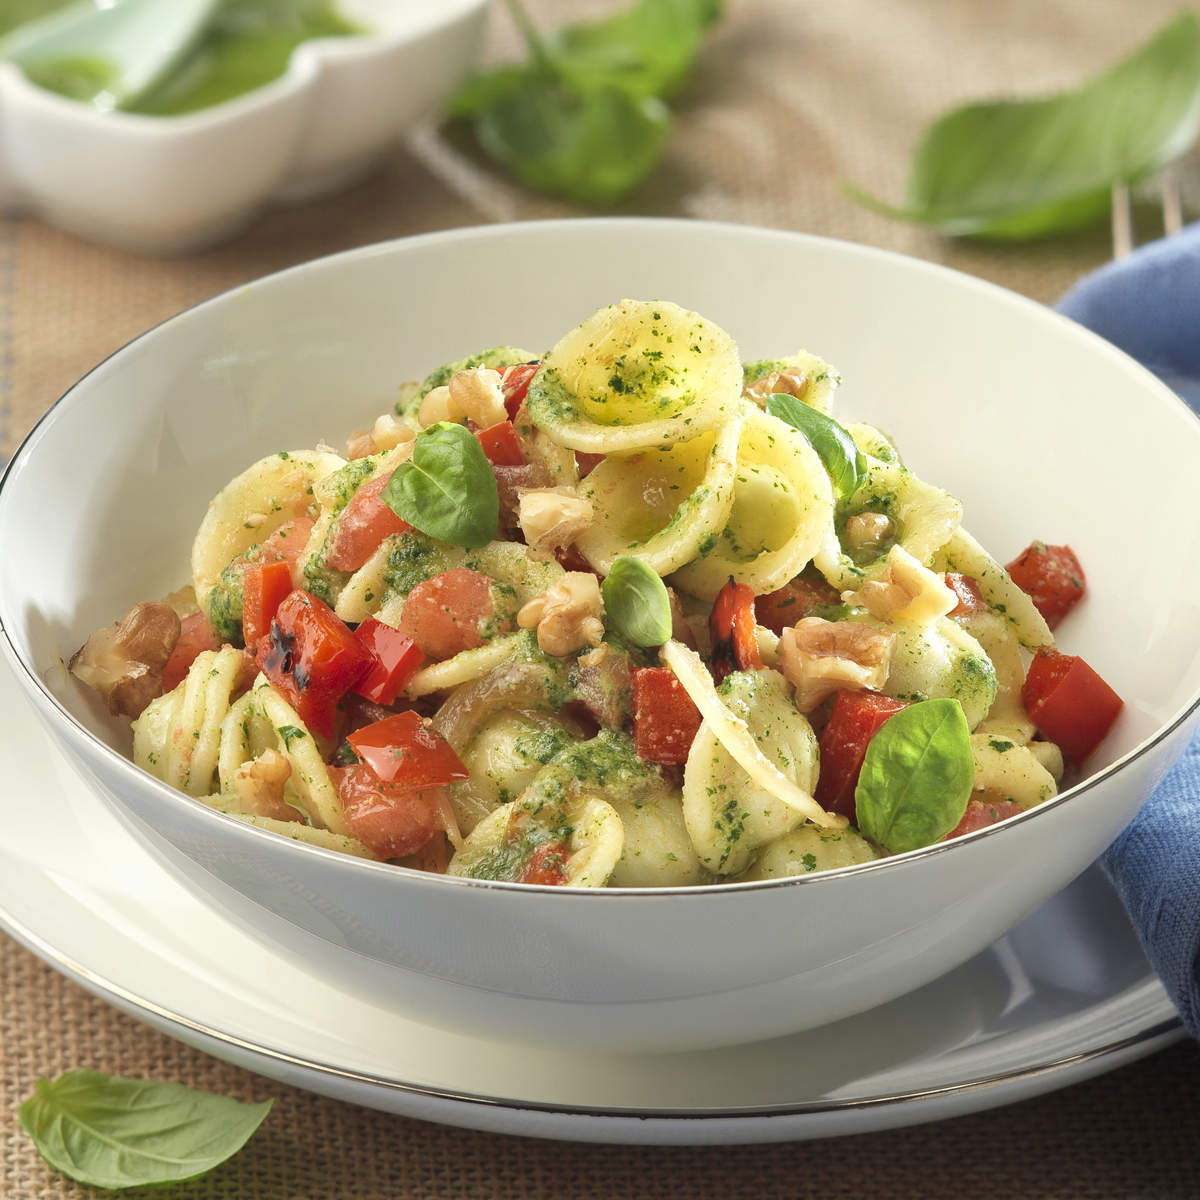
x,y
195,636
361,527
1069,703
970,597
396,661
1052,577
856,718
982,813
514,383
793,602
665,718
732,625
264,588
501,445
390,821
547,865
312,659
403,751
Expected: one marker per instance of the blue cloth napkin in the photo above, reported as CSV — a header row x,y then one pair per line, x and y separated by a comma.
x,y
1149,305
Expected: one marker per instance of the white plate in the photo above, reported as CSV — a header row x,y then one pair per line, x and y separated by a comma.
x,y
1065,996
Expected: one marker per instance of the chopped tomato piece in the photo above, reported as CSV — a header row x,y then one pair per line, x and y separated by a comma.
x,y
264,587
546,865
665,718
793,602
1069,703
982,813
392,822
732,625
361,527
396,661
287,543
1052,577
445,615
312,659
195,636
402,750
856,718
501,445
514,383
970,598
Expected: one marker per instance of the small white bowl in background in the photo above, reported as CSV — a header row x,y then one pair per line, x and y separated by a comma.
x,y
167,185
1041,428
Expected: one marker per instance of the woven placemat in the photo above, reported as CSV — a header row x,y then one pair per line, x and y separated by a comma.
x,y
790,99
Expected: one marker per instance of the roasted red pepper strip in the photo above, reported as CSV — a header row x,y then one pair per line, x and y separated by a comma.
x,y
970,598
264,588
732,625
405,753
312,659
1052,577
856,718
1069,703
665,719
501,445
396,661
514,383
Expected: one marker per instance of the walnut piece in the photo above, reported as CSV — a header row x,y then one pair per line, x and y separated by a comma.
x,y
787,383
387,433
868,531
124,661
259,786
566,615
478,396
551,518
437,406
906,591
820,657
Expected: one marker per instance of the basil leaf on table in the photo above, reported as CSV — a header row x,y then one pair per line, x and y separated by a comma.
x,y
447,489
916,777
583,118
590,145
837,449
1026,168
111,1132
636,602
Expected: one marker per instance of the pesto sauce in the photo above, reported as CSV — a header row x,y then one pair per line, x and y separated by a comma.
x,y
414,558
496,357
248,44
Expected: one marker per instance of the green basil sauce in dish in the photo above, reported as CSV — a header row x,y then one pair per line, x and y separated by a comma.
x,y
248,45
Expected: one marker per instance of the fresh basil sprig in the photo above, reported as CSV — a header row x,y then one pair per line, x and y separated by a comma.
x,y
916,777
584,118
636,602
111,1132
842,458
1025,168
447,489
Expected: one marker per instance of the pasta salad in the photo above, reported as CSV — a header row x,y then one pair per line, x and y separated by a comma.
x,y
630,613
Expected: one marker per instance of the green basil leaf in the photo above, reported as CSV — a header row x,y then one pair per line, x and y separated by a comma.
x,y
591,145
916,777
842,458
636,602
647,49
1025,168
447,489
111,1132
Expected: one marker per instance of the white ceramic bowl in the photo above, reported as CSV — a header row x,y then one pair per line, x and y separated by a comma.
x,y
1041,428
165,185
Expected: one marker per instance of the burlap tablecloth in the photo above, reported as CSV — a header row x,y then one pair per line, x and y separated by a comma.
x,y
789,99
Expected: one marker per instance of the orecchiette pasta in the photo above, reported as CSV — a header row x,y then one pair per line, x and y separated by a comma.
x,y
458,652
